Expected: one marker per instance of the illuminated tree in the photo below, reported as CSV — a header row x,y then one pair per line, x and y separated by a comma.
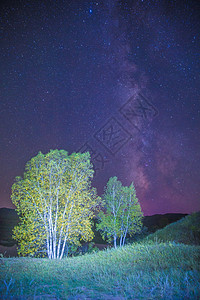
x,y
122,212
55,203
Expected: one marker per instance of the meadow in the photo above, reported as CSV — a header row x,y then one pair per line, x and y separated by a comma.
x,y
149,269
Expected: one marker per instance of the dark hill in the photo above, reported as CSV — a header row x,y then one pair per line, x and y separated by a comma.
x,y
186,231
159,221
9,219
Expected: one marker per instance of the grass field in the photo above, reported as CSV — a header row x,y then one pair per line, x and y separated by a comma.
x,y
145,270
186,230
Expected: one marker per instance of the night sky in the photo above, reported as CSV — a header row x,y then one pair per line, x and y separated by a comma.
x,y
117,78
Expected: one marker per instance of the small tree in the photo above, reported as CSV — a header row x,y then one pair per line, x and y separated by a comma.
x,y
55,203
122,213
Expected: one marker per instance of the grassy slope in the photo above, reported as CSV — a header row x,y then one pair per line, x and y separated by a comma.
x,y
146,270
139,271
186,230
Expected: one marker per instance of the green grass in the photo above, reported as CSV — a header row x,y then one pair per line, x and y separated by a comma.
x,y
138,271
150,269
186,230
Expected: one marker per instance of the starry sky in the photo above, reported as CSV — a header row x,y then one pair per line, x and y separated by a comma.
x,y
119,79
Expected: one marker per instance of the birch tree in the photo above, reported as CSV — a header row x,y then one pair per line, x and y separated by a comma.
x,y
130,214
55,203
122,213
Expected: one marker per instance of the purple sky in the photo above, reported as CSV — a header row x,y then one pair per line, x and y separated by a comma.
x,y
121,77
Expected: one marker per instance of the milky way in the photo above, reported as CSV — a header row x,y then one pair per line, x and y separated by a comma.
x,y
117,78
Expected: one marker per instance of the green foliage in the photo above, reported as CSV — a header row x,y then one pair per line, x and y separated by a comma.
x,y
55,203
122,214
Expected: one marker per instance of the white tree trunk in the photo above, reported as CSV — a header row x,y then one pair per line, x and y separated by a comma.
x,y
115,241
